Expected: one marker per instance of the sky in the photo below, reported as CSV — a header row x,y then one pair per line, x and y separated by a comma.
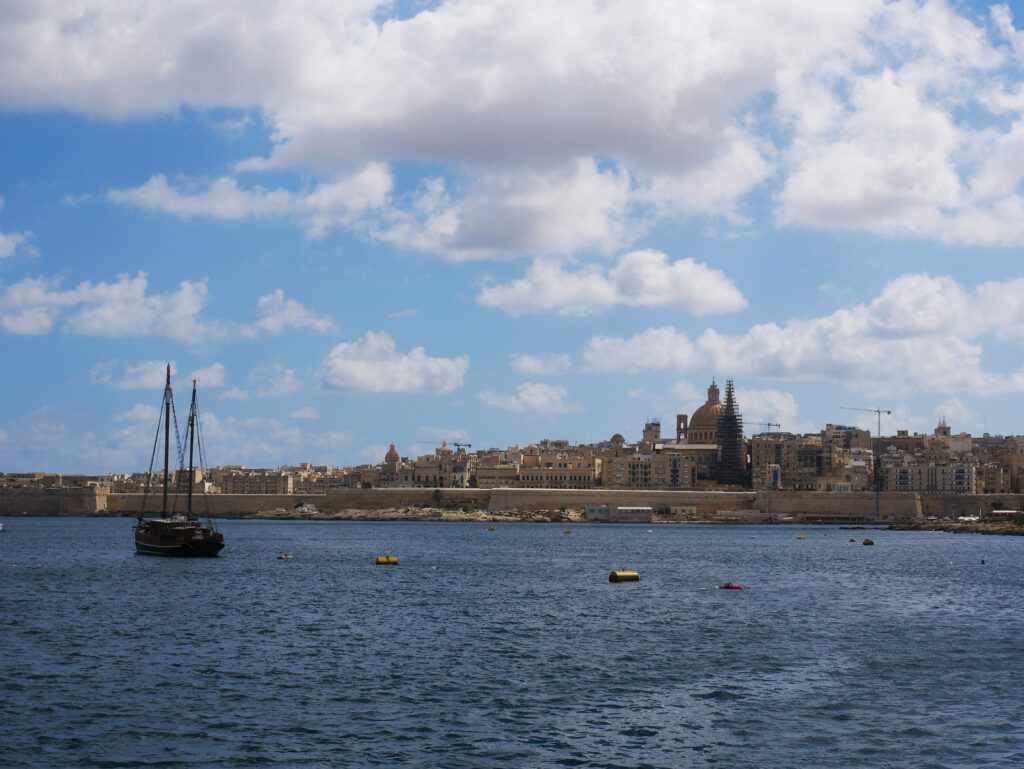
x,y
498,221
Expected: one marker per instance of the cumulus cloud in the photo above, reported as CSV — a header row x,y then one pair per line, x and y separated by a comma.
x,y
139,413
546,365
209,376
438,434
372,364
234,394
121,308
267,441
770,410
277,314
533,398
641,279
306,412
902,118
920,333
12,241
126,308
338,202
572,207
144,375
273,381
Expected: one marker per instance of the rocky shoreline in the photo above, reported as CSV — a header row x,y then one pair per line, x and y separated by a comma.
x,y
418,514
1011,528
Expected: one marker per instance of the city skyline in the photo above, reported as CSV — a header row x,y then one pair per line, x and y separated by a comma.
x,y
417,222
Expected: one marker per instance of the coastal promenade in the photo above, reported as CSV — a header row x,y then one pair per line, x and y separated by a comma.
x,y
749,506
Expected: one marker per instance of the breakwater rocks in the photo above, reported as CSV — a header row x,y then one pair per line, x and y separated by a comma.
x,y
964,527
417,514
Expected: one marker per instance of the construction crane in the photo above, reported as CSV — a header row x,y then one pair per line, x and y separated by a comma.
x,y
878,469
769,425
459,445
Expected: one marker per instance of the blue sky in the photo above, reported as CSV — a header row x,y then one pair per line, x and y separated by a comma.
x,y
496,222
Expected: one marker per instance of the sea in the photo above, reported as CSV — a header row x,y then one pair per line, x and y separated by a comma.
x,y
510,647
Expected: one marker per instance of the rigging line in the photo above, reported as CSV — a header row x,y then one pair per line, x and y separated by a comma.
x,y
202,460
152,457
180,450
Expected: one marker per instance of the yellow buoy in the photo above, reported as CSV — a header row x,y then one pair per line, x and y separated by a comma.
x,y
869,542
801,536
387,560
567,531
490,528
624,575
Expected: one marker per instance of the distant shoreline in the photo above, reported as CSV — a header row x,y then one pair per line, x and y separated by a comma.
x,y
563,516
964,527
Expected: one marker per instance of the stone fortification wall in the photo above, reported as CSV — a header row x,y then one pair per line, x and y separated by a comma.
x,y
772,504
835,506
951,506
91,501
552,499
381,499
220,505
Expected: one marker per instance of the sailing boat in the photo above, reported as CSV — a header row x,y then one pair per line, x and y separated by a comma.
x,y
177,534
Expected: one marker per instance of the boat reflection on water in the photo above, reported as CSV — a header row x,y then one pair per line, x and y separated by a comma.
x,y
177,534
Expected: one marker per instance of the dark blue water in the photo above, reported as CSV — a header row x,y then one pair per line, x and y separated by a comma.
x,y
509,648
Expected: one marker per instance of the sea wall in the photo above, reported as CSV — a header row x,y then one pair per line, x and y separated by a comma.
x,y
380,499
950,506
727,505
552,499
90,501
839,507
219,505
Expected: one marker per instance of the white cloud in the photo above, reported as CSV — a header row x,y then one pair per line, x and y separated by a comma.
x,y
121,308
572,207
140,413
234,394
306,412
266,441
903,118
11,241
770,411
640,279
374,453
144,375
278,314
222,199
686,393
273,381
546,365
534,398
920,333
342,201
126,308
373,365
958,416
209,376
438,434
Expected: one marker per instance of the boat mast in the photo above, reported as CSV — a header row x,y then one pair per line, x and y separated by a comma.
x,y
167,434
191,445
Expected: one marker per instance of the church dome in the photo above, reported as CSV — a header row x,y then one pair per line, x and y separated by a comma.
x,y
703,426
618,439
392,455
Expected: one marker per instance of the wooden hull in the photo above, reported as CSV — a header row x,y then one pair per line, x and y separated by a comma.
x,y
177,539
